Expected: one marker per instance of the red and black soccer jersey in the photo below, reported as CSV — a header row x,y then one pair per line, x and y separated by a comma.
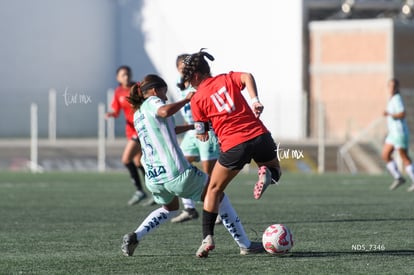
x,y
119,103
219,100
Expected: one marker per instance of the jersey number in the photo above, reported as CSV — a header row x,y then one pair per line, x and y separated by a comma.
x,y
220,103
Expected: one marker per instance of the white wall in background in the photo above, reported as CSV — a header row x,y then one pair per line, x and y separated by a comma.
x,y
261,37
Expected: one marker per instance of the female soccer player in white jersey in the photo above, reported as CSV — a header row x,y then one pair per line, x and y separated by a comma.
x,y
398,137
168,174
241,133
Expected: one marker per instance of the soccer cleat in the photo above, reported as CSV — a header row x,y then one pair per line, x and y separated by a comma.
x,y
219,220
137,197
254,248
397,183
186,215
411,188
265,178
129,243
206,246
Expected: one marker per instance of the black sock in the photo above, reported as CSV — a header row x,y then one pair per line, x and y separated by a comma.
x,y
134,175
141,169
209,220
276,173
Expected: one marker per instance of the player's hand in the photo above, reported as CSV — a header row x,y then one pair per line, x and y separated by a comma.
x,y
258,109
203,137
108,115
189,95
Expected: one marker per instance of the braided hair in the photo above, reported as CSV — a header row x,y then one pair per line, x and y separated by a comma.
x,y
180,59
195,63
138,90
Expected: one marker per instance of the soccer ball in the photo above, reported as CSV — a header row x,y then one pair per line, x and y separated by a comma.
x,y
277,239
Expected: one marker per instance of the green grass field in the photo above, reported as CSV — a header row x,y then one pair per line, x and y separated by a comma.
x,y
61,223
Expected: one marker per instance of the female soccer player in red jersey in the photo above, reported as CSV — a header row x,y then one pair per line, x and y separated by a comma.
x,y
132,152
241,133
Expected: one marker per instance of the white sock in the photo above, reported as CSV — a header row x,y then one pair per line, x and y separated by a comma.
x,y
188,203
393,169
153,221
232,223
410,171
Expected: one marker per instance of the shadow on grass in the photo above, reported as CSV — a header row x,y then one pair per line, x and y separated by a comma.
x,y
310,254
343,220
317,254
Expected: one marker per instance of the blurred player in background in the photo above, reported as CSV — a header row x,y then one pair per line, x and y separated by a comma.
x,y
168,173
241,133
398,137
194,150
131,156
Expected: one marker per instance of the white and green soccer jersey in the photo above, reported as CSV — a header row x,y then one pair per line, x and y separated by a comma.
x,y
396,126
186,110
162,156
398,134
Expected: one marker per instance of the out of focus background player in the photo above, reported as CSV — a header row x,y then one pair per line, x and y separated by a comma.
x,y
131,156
398,137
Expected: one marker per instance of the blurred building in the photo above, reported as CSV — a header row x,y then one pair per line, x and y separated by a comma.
x,y
351,62
354,49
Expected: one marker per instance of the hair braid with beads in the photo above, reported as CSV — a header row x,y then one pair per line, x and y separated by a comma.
x,y
195,63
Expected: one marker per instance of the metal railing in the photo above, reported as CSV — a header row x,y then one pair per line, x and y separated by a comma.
x,y
345,162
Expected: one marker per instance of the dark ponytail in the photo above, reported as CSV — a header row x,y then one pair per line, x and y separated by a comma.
x,y
195,63
138,90
135,98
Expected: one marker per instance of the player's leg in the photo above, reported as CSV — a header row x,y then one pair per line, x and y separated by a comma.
x,y
208,165
193,184
264,153
189,213
189,148
132,148
209,153
409,167
220,178
157,217
392,167
137,158
151,222
234,226
162,195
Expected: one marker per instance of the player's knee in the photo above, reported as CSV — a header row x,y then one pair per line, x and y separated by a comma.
x,y
215,190
125,160
386,157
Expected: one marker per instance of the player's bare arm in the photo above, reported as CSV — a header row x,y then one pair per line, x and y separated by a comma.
x,y
248,80
111,114
172,108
